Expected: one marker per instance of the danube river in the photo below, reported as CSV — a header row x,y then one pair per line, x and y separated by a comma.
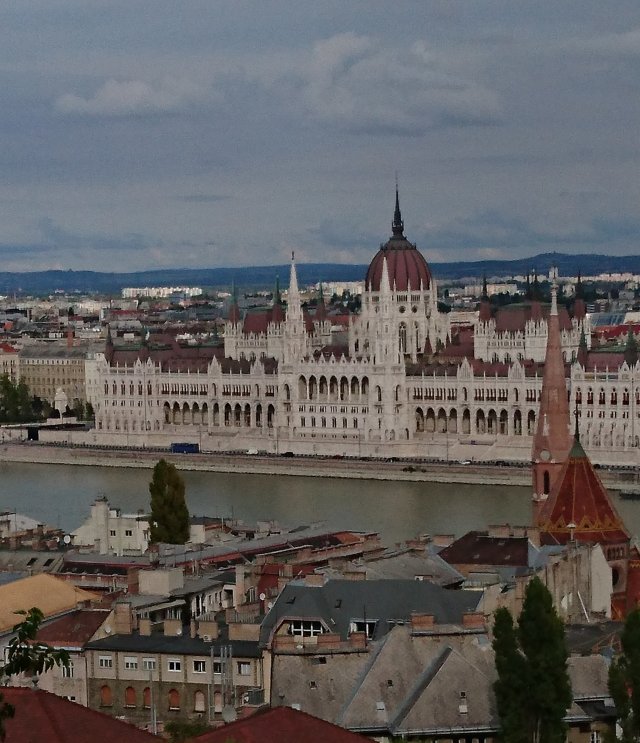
x,y
61,495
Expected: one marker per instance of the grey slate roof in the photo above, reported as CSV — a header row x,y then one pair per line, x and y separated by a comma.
x,y
338,602
183,645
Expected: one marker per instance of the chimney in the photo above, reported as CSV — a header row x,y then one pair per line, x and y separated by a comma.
x,y
443,540
69,337
145,627
122,619
192,628
473,620
422,622
172,627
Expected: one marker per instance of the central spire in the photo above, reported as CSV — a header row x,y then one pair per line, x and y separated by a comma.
x,y
398,224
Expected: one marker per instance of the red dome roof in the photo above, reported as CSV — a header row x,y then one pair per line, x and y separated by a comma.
x,y
407,267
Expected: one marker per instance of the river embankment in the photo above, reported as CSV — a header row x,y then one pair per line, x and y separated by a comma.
x,y
442,472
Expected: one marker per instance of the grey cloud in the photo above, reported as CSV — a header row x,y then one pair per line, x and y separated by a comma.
x,y
59,238
494,233
135,97
356,83
203,198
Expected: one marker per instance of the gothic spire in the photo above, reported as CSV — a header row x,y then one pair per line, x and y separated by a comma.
x,y
398,224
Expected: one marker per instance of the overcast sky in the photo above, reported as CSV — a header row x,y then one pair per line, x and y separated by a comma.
x,y
204,133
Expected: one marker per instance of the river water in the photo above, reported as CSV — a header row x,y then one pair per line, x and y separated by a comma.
x,y
61,495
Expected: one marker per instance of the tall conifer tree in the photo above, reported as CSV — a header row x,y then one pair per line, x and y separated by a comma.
x,y
169,521
533,690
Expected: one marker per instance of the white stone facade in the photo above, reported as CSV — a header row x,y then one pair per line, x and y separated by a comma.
x,y
278,392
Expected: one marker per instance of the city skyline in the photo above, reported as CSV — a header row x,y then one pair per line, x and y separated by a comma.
x,y
139,136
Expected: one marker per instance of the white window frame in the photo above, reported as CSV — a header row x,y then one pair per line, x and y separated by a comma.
x,y
244,668
149,664
199,666
130,663
67,671
174,665
105,661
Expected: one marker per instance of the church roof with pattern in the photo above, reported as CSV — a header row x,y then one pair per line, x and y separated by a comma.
x,y
580,504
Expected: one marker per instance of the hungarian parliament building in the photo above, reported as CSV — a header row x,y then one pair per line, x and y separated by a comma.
x,y
394,380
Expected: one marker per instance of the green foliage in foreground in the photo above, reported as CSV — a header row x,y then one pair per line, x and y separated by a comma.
x,y
26,656
533,690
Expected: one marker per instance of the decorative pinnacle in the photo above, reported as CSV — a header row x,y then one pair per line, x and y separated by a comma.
x,y
398,224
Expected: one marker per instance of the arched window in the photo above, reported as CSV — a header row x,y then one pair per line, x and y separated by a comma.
x,y
146,698
106,697
546,484
129,697
174,699
199,701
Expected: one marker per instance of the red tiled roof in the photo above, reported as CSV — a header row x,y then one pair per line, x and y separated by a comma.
x,y
280,725
579,498
514,317
41,717
478,548
6,348
406,266
73,630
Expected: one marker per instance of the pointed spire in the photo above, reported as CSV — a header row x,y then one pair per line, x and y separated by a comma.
x,y
579,287
234,309
583,349
385,286
277,299
485,293
398,224
293,280
528,289
631,348
554,299
552,441
321,310
576,432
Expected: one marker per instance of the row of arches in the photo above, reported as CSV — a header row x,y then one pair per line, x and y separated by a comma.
x,y
493,422
330,388
240,415
590,396
173,698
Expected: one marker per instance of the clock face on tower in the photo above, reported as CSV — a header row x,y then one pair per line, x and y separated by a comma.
x,y
545,455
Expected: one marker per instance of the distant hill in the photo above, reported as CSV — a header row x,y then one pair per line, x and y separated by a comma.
x,y
40,282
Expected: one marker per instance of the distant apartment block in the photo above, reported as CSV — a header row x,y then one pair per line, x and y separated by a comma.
x,y
160,291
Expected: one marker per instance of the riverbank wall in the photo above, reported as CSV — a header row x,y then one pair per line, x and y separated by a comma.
x,y
443,472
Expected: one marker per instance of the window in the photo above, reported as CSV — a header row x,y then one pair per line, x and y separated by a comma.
x,y
244,668
199,702
146,698
174,699
112,532
131,663
128,532
217,666
106,697
199,666
129,697
149,664
174,665
67,671
368,627
301,628
595,737
105,661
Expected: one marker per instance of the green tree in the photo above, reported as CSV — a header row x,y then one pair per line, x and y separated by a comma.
x,y
26,655
533,690
169,521
183,730
624,680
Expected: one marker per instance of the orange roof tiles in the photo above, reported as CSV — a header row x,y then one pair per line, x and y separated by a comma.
x,y
41,717
578,497
280,725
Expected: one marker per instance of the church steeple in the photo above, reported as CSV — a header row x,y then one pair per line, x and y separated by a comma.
x,y
398,224
552,440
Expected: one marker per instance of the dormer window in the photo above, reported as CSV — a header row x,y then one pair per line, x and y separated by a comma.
x,y
360,625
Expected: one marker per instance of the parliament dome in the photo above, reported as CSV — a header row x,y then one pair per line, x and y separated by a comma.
x,y
407,267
